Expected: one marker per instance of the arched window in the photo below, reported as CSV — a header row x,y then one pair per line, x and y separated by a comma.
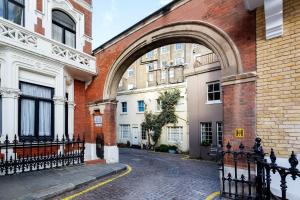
x,y
63,28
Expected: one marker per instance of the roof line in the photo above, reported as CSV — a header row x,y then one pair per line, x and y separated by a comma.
x,y
162,10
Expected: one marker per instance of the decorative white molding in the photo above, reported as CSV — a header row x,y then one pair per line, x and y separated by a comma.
x,y
10,32
72,55
274,18
59,100
10,93
17,37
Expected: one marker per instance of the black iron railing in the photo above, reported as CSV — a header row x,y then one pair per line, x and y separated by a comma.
x,y
247,174
23,156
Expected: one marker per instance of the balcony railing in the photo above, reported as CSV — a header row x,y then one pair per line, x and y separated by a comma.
x,y
14,35
207,59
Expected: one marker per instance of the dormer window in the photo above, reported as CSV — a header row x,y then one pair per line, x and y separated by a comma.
x,y
12,10
63,28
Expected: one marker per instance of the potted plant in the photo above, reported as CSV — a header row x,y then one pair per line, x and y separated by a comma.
x,y
205,149
173,149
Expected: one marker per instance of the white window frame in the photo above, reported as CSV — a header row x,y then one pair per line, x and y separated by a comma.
x,y
158,105
143,133
220,124
150,77
176,46
138,107
177,136
163,74
149,54
150,65
207,93
130,72
179,61
122,126
162,63
164,49
206,135
123,107
172,73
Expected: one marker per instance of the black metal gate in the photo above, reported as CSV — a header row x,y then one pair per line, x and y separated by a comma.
x,y
247,174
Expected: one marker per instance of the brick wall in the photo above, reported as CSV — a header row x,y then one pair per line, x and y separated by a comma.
x,y
239,112
278,86
38,27
87,17
81,115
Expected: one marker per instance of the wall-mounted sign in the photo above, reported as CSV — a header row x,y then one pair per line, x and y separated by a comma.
x,y
98,120
239,133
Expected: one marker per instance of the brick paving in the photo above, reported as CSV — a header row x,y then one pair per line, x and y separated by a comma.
x,y
158,176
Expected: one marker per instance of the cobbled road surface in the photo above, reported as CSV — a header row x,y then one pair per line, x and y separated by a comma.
x,y
157,176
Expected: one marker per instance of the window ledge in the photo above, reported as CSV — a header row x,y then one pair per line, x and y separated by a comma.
x,y
123,113
213,102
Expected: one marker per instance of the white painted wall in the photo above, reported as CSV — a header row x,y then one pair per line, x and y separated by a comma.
x,y
18,66
150,95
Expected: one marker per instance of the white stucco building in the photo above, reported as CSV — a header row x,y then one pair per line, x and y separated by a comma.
x,y
44,51
130,115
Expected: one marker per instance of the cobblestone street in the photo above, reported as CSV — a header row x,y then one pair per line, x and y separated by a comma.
x,y
158,176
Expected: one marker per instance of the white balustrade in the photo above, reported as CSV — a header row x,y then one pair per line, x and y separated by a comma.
x,y
17,36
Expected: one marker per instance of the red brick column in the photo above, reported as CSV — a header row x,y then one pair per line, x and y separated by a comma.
x,y
109,124
239,112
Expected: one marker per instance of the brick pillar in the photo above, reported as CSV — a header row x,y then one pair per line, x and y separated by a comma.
x,y
239,112
111,152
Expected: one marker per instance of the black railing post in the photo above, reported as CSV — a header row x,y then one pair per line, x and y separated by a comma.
x,y
259,156
6,154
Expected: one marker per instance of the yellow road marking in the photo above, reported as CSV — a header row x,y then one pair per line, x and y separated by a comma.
x,y
129,169
212,196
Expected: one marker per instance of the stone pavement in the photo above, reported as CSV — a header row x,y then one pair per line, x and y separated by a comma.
x,y
157,176
49,183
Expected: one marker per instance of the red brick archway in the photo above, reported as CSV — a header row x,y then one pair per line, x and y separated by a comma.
x,y
224,26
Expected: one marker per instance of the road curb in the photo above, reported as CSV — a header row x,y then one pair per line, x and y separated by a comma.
x,y
72,187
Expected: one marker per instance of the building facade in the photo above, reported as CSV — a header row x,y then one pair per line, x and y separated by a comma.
x,y
182,66
45,49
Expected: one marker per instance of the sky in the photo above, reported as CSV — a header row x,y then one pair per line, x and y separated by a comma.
x,y
111,17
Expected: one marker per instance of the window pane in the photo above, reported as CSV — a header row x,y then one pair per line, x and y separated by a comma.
x,y
63,19
210,96
210,88
1,8
36,91
70,39
15,13
217,87
27,117
217,96
57,33
45,119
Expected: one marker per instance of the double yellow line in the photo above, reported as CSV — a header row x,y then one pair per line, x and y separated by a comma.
x,y
129,169
212,196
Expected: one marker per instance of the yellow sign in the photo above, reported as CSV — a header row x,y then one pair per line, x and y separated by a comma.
x,y
239,132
